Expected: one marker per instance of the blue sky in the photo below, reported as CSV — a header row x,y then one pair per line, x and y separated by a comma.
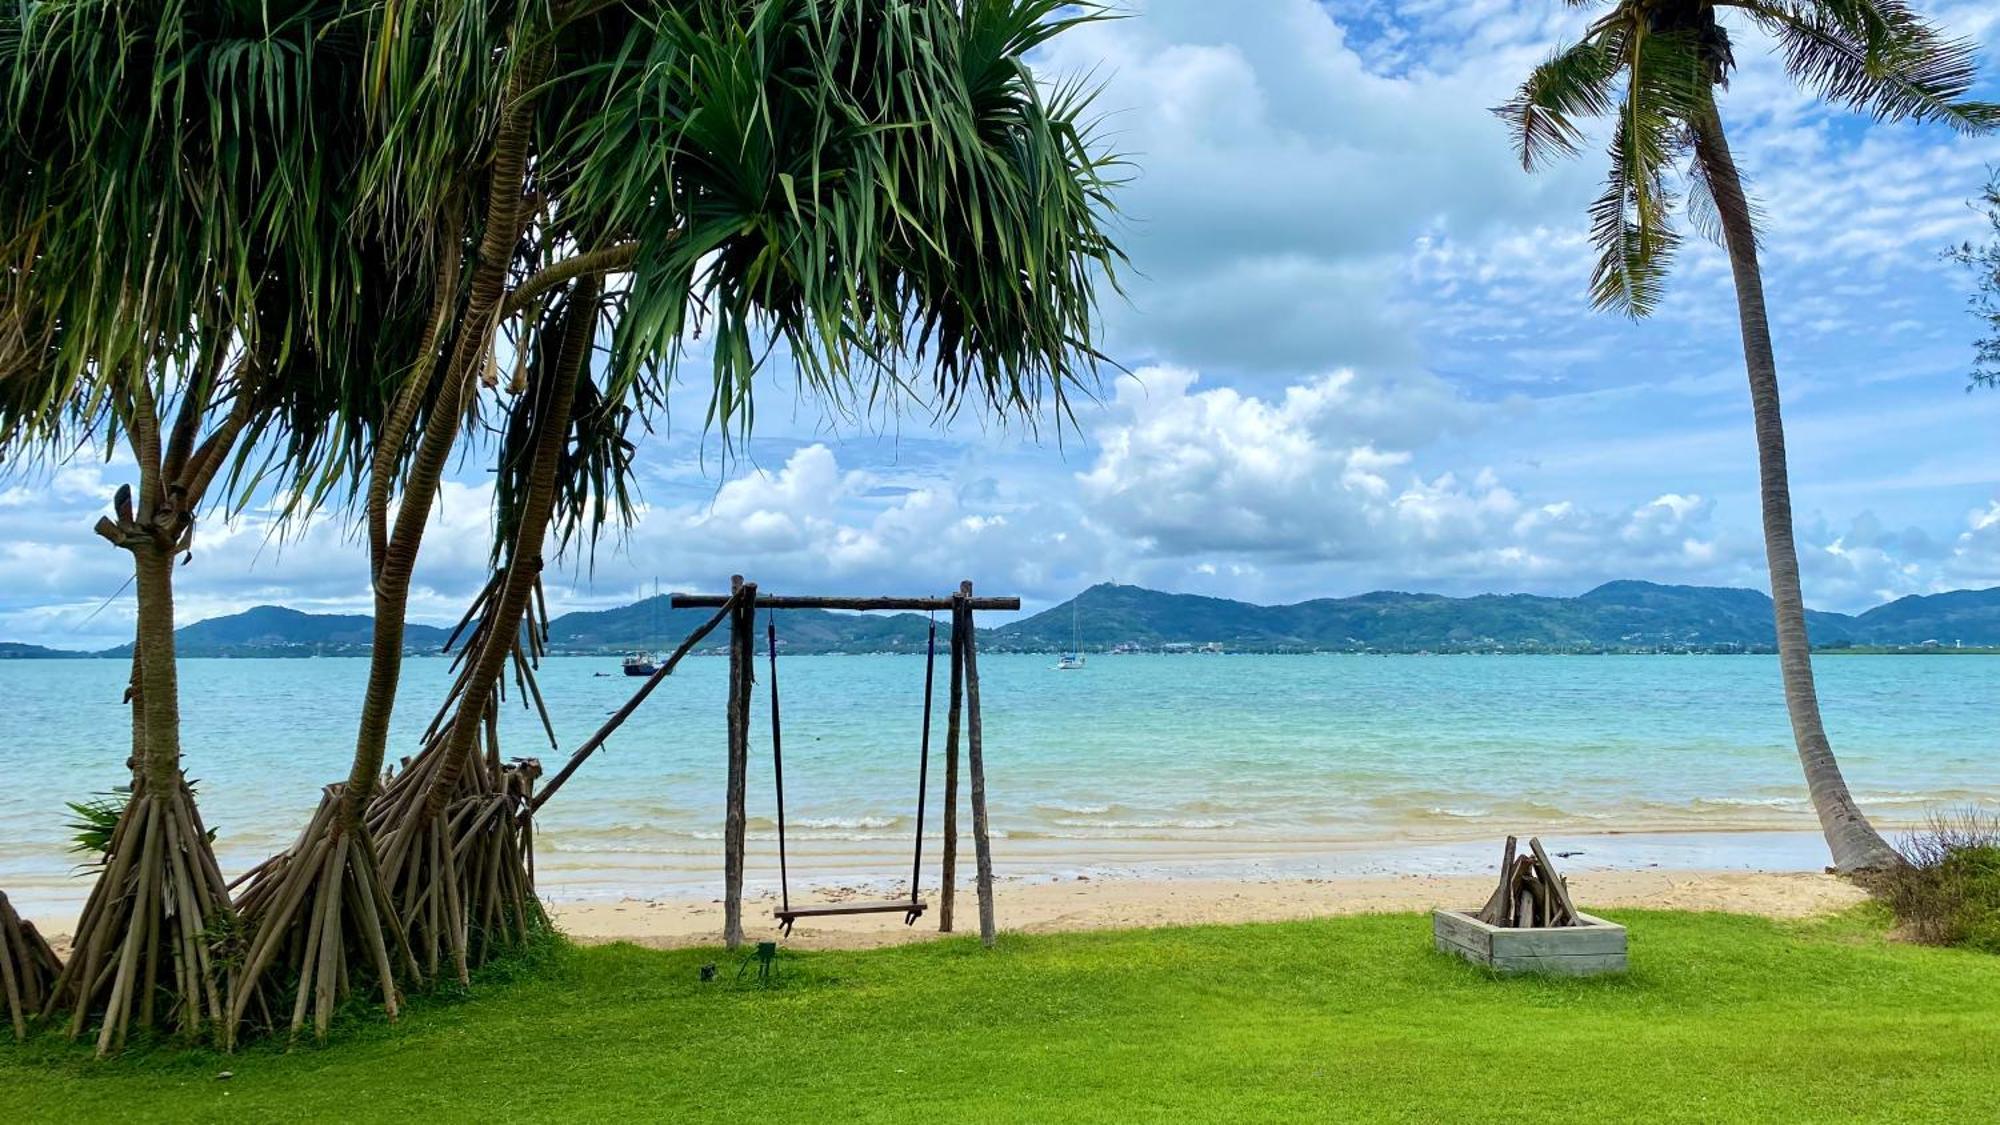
x,y
1361,354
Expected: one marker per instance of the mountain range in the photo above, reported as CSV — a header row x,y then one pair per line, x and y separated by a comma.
x,y
1623,616
1617,616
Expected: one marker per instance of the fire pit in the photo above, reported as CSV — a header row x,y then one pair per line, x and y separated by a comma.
x,y
1531,925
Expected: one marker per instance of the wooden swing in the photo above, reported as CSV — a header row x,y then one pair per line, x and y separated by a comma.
x,y
910,908
740,606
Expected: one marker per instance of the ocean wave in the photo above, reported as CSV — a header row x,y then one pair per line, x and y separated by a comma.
x,y
1943,800
1457,814
689,842
1093,834
1199,824
847,822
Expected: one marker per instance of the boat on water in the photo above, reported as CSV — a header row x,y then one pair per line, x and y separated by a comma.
x,y
643,663
1072,661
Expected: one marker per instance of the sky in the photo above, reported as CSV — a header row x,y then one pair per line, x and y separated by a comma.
x,y
1358,354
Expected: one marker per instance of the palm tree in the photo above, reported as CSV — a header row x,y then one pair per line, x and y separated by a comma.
x,y
178,279
1671,57
857,185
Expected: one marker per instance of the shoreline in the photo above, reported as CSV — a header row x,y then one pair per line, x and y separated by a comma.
x,y
1054,905
1778,874
613,878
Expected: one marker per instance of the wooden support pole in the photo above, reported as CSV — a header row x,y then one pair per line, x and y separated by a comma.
x,y
961,625
981,844
787,601
742,648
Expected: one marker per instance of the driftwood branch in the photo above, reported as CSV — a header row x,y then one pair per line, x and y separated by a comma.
x,y
612,724
1531,894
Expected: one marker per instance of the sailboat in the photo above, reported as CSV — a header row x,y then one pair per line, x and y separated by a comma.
x,y
1072,661
645,663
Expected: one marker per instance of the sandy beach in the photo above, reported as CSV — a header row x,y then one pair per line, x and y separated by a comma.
x,y
1771,874
1083,903
1076,903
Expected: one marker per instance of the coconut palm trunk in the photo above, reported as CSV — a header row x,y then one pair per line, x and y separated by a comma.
x,y
1855,844
1653,68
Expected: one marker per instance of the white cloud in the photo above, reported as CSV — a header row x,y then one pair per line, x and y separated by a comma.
x,y
1401,384
1333,472
1284,175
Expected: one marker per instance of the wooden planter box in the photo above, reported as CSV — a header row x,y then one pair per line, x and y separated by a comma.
x,y
1595,947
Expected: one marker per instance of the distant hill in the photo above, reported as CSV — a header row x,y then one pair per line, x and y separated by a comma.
x,y
1617,616
1625,616
1958,615
270,630
649,624
14,650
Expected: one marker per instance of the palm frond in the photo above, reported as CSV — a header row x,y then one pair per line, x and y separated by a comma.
x,y
853,185
1574,82
1878,56
179,190
1669,76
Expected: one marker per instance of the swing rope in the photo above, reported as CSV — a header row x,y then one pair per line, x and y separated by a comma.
x,y
924,759
777,758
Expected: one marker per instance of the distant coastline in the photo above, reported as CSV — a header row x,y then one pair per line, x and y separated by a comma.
x,y
1617,618
361,652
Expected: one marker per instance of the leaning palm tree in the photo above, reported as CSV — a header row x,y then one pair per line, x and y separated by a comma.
x,y
1656,67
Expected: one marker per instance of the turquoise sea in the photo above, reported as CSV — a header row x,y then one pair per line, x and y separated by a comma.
x,y
1161,764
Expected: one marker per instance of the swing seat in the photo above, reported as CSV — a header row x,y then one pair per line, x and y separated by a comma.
x,y
911,909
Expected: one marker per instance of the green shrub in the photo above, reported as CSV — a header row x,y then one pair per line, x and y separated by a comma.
x,y
96,821
1950,892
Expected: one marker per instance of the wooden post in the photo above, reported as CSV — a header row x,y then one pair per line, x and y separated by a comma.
x,y
961,623
742,627
981,845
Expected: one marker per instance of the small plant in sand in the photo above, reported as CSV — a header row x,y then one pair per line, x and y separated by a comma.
x,y
1949,894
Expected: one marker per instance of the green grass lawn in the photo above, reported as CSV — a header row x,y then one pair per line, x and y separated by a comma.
x,y
1721,1018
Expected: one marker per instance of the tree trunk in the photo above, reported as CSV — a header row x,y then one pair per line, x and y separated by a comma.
x,y
159,688
145,951
1855,844
396,561
524,564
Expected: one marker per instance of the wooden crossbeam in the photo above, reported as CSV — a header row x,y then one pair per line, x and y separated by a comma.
x,y
785,601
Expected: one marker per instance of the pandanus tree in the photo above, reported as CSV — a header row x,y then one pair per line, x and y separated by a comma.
x,y
178,281
1656,68
859,186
